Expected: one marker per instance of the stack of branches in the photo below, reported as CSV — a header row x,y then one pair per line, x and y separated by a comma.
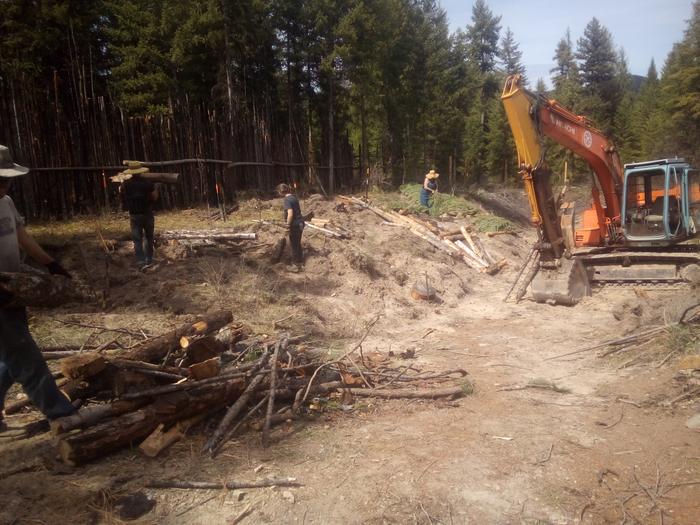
x,y
153,393
473,252
688,318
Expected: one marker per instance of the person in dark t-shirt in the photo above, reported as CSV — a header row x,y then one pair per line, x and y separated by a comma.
x,y
294,221
139,195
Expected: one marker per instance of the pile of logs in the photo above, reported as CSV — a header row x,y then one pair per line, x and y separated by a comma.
x,y
151,394
459,243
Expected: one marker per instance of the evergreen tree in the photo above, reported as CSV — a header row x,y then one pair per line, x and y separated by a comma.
x,y
511,56
565,78
541,86
680,86
625,137
597,68
501,154
482,37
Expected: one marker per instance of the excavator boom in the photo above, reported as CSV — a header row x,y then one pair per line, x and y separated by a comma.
x,y
658,210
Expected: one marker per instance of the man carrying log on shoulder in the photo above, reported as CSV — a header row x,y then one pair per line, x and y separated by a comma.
x,y
139,195
294,222
20,358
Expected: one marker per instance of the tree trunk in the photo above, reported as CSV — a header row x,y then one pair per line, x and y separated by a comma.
x,y
156,349
133,427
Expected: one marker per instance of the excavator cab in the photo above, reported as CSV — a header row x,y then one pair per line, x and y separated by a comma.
x,y
657,202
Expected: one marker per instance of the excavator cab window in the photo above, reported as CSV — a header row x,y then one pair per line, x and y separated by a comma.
x,y
644,210
693,200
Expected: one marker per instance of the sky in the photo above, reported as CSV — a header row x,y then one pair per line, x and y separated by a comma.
x,y
645,29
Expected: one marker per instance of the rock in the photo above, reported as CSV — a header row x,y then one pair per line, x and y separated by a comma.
x,y
693,422
133,506
288,496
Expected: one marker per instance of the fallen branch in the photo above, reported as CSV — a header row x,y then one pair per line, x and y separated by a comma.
x,y
217,439
271,397
407,394
230,485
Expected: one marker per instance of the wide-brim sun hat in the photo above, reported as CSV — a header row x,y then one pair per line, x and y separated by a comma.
x,y
432,174
7,167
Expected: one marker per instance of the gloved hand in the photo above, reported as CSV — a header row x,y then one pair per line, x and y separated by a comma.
x,y
56,269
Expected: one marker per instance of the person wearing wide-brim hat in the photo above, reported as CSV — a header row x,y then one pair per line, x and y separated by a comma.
x,y
20,358
430,188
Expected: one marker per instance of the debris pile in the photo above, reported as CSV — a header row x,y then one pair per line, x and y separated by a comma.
x,y
154,392
459,242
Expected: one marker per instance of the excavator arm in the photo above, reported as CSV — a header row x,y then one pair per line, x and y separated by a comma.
x,y
533,117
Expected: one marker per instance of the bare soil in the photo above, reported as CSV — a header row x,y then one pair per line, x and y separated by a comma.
x,y
600,448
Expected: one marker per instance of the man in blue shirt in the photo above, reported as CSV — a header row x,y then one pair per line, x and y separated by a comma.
x,y
294,221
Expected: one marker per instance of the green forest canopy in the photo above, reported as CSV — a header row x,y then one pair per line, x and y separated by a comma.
x,y
382,79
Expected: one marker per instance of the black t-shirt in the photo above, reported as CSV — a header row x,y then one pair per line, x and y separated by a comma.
x,y
292,203
137,195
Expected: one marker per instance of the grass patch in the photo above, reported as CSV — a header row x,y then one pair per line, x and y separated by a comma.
x,y
486,222
682,339
408,199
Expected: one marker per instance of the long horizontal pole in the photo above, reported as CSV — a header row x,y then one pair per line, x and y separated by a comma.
x,y
227,163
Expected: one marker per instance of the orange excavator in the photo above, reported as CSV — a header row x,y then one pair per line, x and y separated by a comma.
x,y
642,224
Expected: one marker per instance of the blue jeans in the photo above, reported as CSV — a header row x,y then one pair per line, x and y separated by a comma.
x,y
21,362
142,226
425,198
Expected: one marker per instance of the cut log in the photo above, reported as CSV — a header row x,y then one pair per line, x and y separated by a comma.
x,y
40,289
470,253
133,427
199,349
458,253
326,231
165,178
155,349
86,364
205,369
472,244
159,440
215,235
92,415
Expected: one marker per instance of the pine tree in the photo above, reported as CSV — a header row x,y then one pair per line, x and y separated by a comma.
x,y
680,86
625,137
511,56
597,68
565,78
482,37
141,73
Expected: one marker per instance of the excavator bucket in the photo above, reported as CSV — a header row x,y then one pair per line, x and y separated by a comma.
x,y
566,285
